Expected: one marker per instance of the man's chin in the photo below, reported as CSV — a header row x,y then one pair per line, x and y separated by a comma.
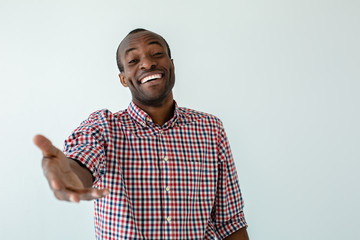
x,y
155,101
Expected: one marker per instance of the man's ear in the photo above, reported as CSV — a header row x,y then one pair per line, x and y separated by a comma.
x,y
123,79
172,62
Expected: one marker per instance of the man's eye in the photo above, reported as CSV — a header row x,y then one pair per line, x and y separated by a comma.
x,y
132,61
158,54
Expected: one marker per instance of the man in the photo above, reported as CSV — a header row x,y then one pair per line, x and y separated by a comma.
x,y
158,171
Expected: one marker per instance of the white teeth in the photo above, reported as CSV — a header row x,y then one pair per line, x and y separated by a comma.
x,y
148,78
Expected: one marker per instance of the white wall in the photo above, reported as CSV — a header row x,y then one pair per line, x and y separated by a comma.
x,y
282,75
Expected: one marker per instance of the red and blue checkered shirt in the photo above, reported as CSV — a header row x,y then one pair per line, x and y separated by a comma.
x,y
176,181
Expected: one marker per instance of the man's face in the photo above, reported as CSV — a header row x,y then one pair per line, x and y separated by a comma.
x,y
148,69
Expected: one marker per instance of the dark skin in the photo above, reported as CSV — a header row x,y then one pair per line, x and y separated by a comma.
x,y
240,234
67,179
144,56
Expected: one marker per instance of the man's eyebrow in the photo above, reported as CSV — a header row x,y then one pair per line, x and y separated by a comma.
x,y
156,42
129,50
150,43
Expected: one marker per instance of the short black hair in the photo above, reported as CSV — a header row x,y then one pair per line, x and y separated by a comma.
x,y
120,66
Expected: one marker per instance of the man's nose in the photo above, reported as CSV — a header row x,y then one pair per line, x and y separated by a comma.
x,y
147,63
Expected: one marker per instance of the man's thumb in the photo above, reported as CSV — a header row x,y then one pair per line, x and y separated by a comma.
x,y
45,146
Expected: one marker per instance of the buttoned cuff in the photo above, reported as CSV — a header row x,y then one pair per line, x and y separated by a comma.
x,y
86,158
225,229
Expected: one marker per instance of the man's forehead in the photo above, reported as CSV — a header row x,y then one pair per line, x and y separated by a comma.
x,y
132,40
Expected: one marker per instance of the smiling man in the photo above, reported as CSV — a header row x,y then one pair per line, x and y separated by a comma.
x,y
154,170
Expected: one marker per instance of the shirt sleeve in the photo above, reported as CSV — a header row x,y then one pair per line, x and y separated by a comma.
x,y
227,214
87,143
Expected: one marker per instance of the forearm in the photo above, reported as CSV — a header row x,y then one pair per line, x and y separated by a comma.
x,y
240,234
82,172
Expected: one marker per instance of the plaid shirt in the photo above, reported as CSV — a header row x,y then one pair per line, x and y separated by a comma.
x,y
176,181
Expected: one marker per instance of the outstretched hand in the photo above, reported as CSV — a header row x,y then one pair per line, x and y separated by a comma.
x,y
67,179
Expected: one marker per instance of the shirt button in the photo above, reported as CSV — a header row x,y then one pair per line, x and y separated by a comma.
x,y
166,158
167,188
161,132
168,219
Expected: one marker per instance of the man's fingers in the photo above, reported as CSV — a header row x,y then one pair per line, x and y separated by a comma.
x,y
99,193
71,195
45,146
54,182
92,193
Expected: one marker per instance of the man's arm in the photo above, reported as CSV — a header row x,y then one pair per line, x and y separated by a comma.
x,y
240,234
67,179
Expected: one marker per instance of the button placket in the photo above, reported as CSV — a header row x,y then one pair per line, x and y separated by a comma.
x,y
166,196
164,182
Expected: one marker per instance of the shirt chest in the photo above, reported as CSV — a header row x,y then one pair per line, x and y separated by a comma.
x,y
180,162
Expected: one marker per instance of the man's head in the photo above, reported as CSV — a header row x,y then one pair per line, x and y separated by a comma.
x,y
146,67
118,60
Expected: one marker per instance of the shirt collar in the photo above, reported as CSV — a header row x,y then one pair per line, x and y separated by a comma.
x,y
144,119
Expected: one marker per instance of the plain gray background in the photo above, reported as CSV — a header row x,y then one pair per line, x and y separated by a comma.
x,y
282,75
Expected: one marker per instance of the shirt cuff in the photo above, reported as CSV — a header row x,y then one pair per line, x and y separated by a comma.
x,y
84,159
225,229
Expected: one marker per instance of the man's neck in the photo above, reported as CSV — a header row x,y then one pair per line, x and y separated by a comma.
x,y
159,114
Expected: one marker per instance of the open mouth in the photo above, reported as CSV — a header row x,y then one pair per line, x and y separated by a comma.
x,y
151,78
